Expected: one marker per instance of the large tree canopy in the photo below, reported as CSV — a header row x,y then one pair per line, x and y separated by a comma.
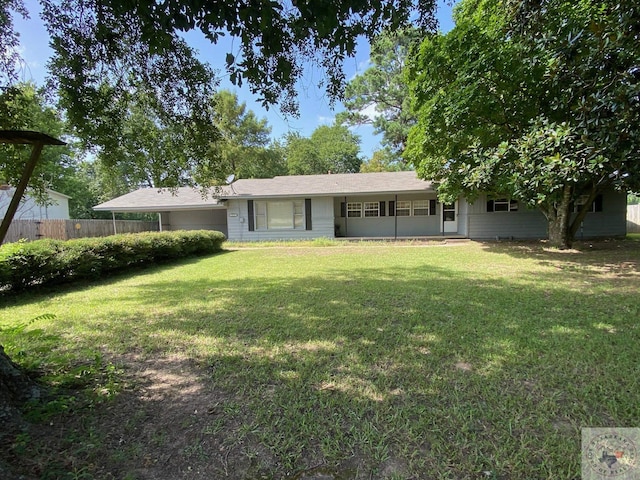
x,y
102,46
540,107
380,95
330,149
244,145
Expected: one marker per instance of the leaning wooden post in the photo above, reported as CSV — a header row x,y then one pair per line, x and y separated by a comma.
x,y
20,188
113,217
23,137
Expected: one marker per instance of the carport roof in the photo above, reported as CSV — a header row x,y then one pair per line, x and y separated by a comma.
x,y
343,184
163,199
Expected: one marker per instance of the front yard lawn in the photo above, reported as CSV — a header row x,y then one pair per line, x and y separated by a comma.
x,y
468,361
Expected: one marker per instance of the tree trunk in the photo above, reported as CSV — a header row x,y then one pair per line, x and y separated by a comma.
x,y
559,218
15,388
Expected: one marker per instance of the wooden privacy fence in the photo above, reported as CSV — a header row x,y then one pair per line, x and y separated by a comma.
x,y
633,218
67,229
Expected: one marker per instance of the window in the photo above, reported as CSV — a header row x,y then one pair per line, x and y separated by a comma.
x,y
371,209
420,207
354,209
502,205
403,208
279,215
596,206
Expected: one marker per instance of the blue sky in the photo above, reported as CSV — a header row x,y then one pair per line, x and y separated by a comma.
x,y
315,108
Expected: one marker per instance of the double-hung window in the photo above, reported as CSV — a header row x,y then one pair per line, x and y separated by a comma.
x,y
420,208
403,208
354,209
371,209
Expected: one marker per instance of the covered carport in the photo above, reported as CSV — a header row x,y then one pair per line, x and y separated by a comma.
x,y
184,208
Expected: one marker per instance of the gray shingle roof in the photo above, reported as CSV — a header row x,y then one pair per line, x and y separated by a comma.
x,y
333,184
153,199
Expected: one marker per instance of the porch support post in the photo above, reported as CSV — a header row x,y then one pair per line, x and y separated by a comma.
x,y
113,217
346,217
395,218
160,221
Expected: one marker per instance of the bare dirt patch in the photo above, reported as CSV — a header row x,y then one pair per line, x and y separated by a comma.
x,y
168,424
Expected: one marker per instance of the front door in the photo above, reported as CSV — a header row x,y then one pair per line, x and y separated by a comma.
x,y
450,217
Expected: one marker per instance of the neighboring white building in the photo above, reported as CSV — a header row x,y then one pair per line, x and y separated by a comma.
x,y
57,207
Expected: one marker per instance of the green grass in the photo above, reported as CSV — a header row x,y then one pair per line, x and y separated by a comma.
x,y
469,361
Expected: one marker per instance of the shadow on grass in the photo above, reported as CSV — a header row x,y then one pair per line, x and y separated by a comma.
x,y
401,371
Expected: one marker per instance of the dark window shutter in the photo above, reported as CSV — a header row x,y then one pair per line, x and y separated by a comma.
x,y
251,218
490,206
307,213
597,203
432,207
383,206
392,208
343,209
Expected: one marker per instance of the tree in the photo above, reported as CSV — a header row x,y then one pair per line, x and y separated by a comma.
x,y
543,110
382,161
380,96
108,52
244,147
24,107
159,150
330,149
276,38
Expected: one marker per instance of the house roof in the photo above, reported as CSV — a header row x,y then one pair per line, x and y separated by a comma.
x,y
156,200
330,184
153,199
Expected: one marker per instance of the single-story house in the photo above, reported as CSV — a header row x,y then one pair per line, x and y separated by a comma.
x,y
361,205
55,207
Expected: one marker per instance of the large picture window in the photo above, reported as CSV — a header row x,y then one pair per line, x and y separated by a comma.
x,y
279,215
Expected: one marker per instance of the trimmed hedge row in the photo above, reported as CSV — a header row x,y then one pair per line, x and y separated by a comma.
x,y
43,262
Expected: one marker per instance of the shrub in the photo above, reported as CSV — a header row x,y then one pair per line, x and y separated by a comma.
x,y
42,262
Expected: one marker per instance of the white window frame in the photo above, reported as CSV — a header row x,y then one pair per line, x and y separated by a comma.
x,y
354,207
510,204
420,208
264,219
403,206
580,201
371,209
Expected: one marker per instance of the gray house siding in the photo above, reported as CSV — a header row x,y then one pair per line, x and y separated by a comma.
x,y
463,217
321,222
611,222
530,223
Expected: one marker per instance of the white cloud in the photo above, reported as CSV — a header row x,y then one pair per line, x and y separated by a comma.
x,y
370,112
322,120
